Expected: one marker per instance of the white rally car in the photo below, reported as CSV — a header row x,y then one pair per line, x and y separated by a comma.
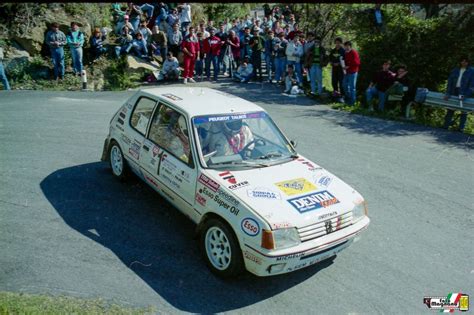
x,y
223,162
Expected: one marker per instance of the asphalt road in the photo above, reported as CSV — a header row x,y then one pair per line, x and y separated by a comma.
x,y
67,227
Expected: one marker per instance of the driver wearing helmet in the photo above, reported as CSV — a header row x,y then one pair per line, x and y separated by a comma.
x,y
179,143
234,137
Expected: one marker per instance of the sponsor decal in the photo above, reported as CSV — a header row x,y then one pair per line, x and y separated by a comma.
x,y
327,215
228,197
295,186
280,225
184,175
449,303
207,119
310,165
238,185
313,201
135,150
290,256
200,199
261,192
151,181
209,183
171,181
324,181
124,110
155,151
152,162
219,201
129,105
120,121
172,97
248,255
250,227
228,177
318,258
168,166
122,115
125,139
328,226
119,127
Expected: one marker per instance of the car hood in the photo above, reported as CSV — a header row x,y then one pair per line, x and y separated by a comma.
x,y
297,193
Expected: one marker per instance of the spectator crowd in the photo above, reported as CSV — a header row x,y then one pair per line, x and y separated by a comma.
x,y
239,48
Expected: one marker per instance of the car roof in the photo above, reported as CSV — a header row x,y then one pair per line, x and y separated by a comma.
x,y
198,101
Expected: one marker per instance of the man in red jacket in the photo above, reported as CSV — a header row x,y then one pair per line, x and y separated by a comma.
x,y
212,49
190,48
352,63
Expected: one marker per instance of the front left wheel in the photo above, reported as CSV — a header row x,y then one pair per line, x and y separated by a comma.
x,y
117,161
220,249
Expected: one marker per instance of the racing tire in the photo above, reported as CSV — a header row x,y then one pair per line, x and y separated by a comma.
x,y
220,249
117,162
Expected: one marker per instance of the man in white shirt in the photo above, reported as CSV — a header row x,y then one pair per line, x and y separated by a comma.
x,y
185,16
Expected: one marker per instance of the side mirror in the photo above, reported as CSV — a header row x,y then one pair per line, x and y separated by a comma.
x,y
293,143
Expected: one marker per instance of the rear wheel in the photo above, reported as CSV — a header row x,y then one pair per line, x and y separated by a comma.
x,y
117,161
220,248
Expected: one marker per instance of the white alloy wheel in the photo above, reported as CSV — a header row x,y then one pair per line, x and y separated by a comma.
x,y
116,160
218,248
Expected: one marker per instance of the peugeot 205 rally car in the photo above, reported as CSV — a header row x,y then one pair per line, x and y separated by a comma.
x,y
223,162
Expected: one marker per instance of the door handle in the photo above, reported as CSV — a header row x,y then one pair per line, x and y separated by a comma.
x,y
146,148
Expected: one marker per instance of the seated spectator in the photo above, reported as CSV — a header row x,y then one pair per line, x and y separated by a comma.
x,y
381,81
140,47
163,14
125,42
290,79
118,13
172,19
171,69
159,43
147,10
121,25
408,88
135,14
144,30
245,72
460,84
97,44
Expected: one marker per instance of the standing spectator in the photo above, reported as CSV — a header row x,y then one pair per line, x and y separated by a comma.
x,y
279,47
56,41
185,16
125,42
140,46
202,29
175,38
277,29
316,58
212,49
377,17
223,57
172,19
135,14
257,44
460,84
295,31
337,75
267,10
244,72
294,52
234,43
147,10
267,23
75,40
3,76
352,64
144,30
162,16
235,27
210,25
287,11
97,43
200,61
190,48
292,22
381,82
227,25
245,49
159,42
269,55
170,69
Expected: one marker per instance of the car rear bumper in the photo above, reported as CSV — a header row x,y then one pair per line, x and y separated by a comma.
x,y
303,255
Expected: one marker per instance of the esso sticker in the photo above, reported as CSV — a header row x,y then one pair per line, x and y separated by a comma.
x,y
250,226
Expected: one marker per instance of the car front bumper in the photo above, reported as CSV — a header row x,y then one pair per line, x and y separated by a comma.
x,y
303,255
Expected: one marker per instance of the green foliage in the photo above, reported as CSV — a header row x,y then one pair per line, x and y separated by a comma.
x,y
219,11
117,78
20,303
430,48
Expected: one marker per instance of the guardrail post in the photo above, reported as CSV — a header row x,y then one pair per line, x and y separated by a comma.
x,y
84,79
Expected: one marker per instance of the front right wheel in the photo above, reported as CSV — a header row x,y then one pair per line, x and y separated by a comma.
x,y
220,249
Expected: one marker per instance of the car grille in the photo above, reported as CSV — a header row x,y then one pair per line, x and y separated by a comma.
x,y
310,232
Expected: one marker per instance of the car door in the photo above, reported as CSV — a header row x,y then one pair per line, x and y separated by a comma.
x,y
168,158
139,121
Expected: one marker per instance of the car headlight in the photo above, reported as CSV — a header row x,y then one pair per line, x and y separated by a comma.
x,y
281,238
359,211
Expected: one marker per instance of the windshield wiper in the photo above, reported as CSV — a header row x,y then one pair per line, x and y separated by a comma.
x,y
238,163
270,155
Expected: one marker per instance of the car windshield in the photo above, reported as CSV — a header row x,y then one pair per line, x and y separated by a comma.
x,y
241,140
